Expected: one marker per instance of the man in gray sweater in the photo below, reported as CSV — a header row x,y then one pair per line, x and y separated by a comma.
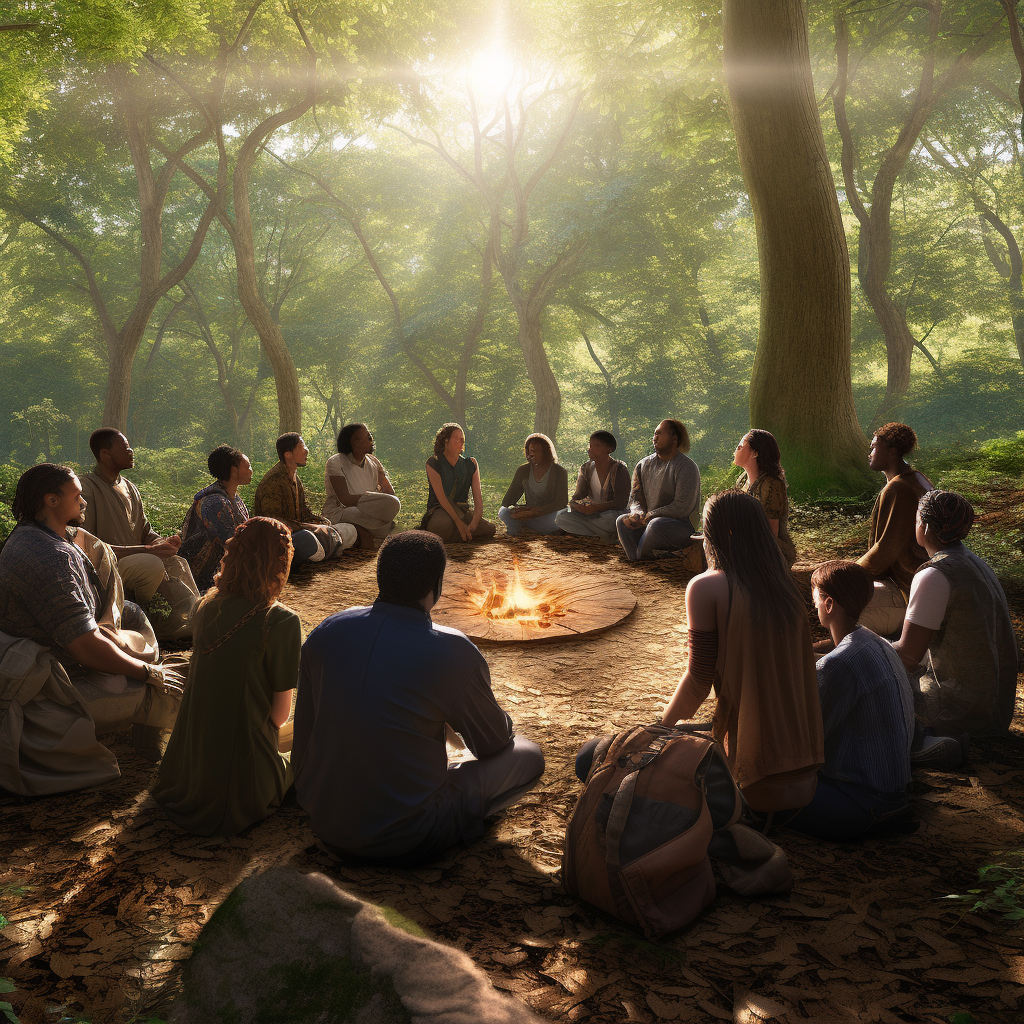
x,y
664,503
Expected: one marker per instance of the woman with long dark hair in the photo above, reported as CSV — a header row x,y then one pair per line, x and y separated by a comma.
x,y
763,478
749,635
222,770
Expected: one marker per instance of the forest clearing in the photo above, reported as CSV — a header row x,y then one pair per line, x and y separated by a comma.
x,y
104,896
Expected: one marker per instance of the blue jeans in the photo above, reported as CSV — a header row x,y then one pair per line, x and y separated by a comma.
x,y
539,524
660,534
843,810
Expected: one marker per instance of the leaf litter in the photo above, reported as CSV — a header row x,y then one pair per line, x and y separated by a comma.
x,y
103,896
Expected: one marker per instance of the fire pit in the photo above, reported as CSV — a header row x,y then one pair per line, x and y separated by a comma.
x,y
509,605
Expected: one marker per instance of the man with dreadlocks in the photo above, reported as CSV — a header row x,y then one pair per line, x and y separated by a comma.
x,y
958,643
379,689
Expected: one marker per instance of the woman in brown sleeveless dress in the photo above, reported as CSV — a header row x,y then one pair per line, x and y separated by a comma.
x,y
750,637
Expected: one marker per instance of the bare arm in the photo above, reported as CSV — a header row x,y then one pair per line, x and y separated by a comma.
x,y
774,524
434,479
94,650
281,707
384,481
701,615
912,645
478,499
343,494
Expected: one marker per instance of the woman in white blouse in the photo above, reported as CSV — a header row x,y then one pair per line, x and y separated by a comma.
x,y
358,488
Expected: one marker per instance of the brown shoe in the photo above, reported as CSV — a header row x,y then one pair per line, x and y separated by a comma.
x,y
366,540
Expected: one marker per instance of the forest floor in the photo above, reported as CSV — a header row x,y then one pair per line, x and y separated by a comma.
x,y
104,895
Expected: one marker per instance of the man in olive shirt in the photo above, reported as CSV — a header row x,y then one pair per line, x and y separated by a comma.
x,y
893,554
379,688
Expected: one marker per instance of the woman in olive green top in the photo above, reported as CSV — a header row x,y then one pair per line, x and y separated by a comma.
x,y
759,457
450,478
222,770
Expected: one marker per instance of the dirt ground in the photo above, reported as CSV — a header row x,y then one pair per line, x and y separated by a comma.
x,y
104,895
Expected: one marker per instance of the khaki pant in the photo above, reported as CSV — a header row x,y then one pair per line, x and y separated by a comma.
x,y
115,702
442,524
375,512
141,576
886,610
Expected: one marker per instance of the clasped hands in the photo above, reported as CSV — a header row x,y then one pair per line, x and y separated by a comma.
x,y
635,520
167,677
165,548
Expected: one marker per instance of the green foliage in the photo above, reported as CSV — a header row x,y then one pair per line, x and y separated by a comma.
x,y
6,987
1000,887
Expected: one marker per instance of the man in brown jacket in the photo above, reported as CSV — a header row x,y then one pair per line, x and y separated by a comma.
x,y
893,554
280,495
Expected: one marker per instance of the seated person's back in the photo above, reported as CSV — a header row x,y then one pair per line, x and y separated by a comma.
x,y
958,641
377,688
867,711
893,554
222,771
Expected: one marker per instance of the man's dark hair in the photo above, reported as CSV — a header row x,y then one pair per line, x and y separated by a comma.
x,y
222,460
682,437
345,437
100,440
33,487
409,566
605,437
287,443
847,583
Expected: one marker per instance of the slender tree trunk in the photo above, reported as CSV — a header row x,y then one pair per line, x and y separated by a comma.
x,y
548,407
801,387
1011,270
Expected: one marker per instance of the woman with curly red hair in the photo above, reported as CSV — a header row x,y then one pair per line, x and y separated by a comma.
x,y
222,770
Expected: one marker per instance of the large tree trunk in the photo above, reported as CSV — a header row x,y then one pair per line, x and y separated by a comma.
x,y
548,408
800,388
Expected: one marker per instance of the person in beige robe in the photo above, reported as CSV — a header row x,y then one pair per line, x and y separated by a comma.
x,y
153,574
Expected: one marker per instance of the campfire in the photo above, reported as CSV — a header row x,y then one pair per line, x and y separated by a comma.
x,y
515,604
530,604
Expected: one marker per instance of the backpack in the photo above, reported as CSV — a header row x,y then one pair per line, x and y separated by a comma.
x,y
637,844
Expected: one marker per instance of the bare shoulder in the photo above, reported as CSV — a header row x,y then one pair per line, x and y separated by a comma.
x,y
710,586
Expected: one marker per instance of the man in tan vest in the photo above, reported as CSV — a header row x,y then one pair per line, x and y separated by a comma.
x,y
148,564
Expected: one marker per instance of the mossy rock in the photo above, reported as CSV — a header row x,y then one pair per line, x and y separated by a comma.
x,y
289,948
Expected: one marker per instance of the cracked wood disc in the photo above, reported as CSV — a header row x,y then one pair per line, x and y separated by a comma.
x,y
591,604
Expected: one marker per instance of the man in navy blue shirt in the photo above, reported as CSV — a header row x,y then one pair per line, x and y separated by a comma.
x,y
378,688
867,710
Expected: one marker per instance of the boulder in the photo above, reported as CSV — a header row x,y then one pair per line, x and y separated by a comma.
x,y
293,948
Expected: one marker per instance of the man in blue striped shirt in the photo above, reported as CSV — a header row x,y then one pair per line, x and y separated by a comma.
x,y
867,709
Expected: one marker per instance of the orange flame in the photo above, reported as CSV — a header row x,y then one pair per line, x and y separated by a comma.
x,y
529,604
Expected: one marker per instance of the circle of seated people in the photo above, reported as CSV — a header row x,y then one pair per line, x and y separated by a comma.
x,y
805,762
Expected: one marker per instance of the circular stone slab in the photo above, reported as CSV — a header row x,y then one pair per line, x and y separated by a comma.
x,y
592,604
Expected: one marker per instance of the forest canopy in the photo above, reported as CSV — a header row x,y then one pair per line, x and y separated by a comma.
x,y
219,221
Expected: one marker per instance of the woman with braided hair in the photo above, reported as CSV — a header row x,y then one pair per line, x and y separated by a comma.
x,y
958,643
222,770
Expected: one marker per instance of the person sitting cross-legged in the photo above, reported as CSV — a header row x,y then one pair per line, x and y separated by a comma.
x,y
149,565
280,495
601,495
958,642
545,485
77,659
450,479
358,488
663,506
893,554
867,711
379,690
222,771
